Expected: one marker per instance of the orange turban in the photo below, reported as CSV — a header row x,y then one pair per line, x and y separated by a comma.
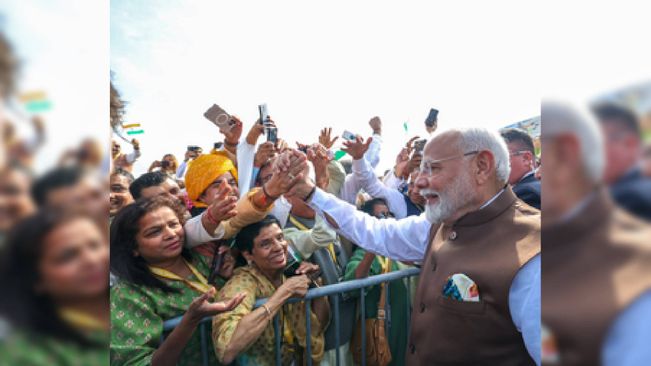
x,y
203,171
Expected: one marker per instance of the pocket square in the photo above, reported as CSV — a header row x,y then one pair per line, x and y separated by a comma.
x,y
461,288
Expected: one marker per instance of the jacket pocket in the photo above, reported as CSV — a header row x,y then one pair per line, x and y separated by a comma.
x,y
462,307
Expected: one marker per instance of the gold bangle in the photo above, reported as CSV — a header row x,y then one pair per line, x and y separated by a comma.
x,y
266,308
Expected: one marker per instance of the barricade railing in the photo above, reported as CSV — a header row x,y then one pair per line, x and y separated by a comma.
x,y
334,290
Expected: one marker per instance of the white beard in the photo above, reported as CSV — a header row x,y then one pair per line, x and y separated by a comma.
x,y
450,200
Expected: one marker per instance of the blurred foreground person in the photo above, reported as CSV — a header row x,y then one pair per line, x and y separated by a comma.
x,y
479,290
646,161
73,188
596,283
54,276
623,147
15,201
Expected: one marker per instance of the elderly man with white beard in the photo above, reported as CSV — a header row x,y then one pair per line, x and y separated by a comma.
x,y
478,300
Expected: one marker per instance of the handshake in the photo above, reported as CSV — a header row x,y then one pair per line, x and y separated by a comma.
x,y
290,176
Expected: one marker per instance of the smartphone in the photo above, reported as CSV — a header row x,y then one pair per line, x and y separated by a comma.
x,y
193,148
164,164
219,117
432,118
264,113
303,149
419,146
347,135
218,145
272,134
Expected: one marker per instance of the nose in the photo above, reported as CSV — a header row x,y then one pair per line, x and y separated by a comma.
x,y
421,182
168,232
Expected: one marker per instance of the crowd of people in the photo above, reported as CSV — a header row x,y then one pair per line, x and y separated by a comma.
x,y
257,219
231,223
253,218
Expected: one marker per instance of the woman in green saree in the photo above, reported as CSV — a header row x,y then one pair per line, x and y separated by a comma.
x,y
158,279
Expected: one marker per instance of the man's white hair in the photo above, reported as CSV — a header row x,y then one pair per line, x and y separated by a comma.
x,y
560,118
479,139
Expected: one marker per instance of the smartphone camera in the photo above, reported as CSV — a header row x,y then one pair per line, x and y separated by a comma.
x,y
165,164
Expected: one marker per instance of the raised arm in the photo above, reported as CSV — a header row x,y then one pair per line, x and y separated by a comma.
x,y
367,180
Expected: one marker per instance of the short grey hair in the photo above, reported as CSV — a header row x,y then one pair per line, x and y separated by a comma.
x,y
481,139
560,118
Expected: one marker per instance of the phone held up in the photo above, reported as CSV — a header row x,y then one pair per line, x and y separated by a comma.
x,y
432,118
347,135
270,131
220,118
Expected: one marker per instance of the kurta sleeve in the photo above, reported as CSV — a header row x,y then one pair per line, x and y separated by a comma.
x,y
136,329
247,214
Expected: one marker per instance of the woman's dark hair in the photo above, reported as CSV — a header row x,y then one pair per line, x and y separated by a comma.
x,y
26,308
369,205
124,228
244,239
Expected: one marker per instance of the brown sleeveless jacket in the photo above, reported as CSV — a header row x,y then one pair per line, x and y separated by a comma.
x,y
489,246
593,267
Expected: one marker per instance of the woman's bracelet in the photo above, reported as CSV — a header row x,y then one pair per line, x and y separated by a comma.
x,y
266,308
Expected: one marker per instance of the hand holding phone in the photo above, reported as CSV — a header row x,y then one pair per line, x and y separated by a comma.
x,y
220,118
419,146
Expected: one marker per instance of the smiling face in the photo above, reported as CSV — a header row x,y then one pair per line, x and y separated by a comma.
x,y
75,261
160,237
446,182
269,251
119,196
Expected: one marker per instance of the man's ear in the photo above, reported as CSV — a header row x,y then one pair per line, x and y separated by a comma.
x,y
484,167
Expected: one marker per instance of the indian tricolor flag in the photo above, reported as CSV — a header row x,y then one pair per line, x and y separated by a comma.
x,y
133,129
35,101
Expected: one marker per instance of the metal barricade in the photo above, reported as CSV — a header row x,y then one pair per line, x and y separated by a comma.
x,y
335,289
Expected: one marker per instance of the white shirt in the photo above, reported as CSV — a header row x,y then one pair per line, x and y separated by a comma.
x,y
196,234
366,178
372,155
406,240
245,160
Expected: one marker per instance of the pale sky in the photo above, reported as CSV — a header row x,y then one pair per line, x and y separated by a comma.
x,y
334,63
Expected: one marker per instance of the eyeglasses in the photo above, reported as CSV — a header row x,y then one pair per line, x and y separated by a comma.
x,y
432,167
